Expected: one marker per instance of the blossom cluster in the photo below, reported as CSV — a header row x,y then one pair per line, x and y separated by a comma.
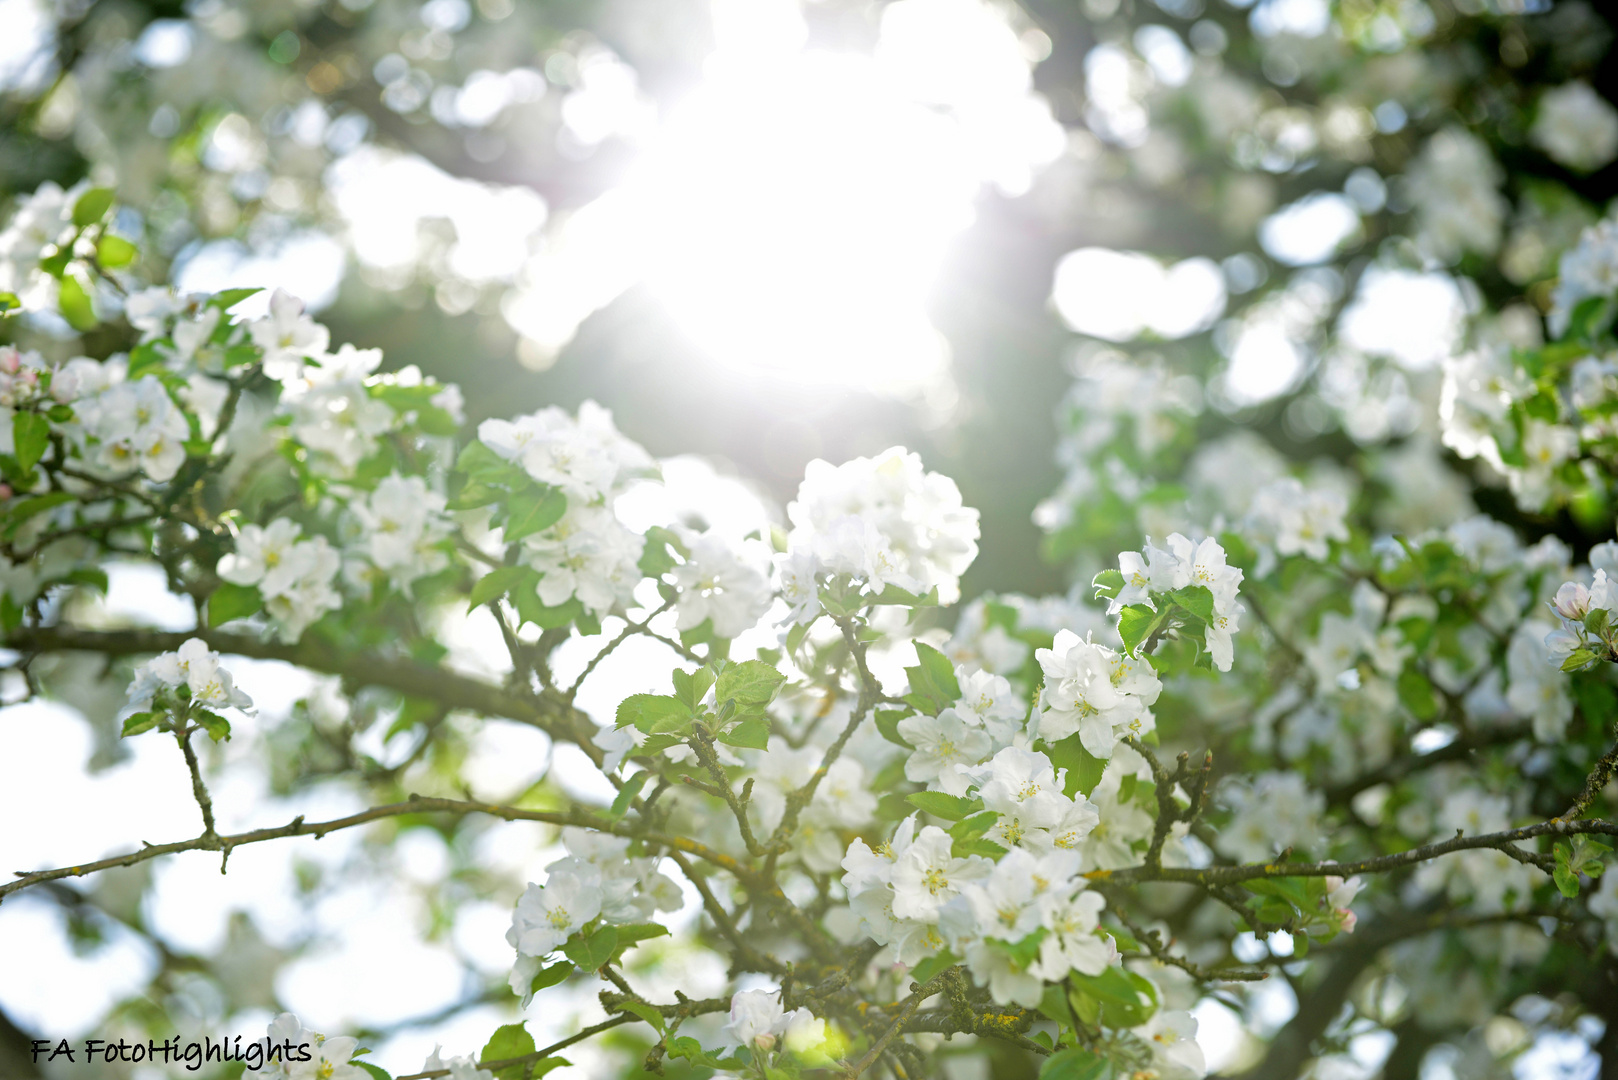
x,y
881,522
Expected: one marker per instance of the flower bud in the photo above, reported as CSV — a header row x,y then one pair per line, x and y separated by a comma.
x,y
764,1041
1572,601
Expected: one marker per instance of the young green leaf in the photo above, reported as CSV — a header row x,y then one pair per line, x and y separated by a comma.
x,y
31,437
231,601
508,1041
752,684
948,807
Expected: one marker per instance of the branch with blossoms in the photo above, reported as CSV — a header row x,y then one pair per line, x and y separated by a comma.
x,y
909,831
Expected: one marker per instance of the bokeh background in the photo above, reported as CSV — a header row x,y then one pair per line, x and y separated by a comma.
x,y
760,231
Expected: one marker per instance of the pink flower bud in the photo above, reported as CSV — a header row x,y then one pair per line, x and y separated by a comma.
x,y
1572,601
764,1041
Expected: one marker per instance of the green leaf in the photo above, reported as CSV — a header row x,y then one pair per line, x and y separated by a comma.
x,y
1126,999
534,509
480,463
1076,1064
753,733
1196,599
590,953
75,305
751,683
376,1071
1135,624
657,557
550,976
960,849
887,724
145,359
27,508
690,687
475,493
92,206
231,601
969,828
497,583
645,1012
215,725
684,1046
626,795
634,933
1578,659
225,299
1054,1005
508,1041
653,713
1417,694
1567,882
933,678
9,303
929,968
139,722
31,437
948,807
1084,769
114,252
1108,584
531,609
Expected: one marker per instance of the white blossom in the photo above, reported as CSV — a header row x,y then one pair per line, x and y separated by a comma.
x,y
885,521
1576,127
719,583
1090,689
194,666
288,337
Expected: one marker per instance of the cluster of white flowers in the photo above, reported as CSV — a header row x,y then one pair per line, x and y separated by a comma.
x,y
589,554
1589,269
597,879
1454,184
42,220
1185,564
1480,387
1343,639
334,416
1271,813
585,457
1298,520
1103,695
716,582
1535,688
898,889
194,666
1574,604
1026,894
881,521
842,803
1486,878
328,1058
988,717
293,575
1576,126
289,338
758,1022
913,895
400,530
125,425
20,377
